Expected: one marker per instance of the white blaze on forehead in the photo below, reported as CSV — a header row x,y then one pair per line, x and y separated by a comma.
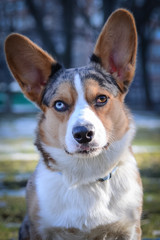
x,y
78,86
82,115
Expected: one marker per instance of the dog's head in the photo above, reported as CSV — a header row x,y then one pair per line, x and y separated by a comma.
x,y
83,107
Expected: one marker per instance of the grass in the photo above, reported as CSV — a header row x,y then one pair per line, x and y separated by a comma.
x,y
14,205
149,164
8,233
12,209
11,215
150,137
15,167
151,207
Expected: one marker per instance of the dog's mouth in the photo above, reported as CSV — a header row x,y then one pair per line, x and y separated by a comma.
x,y
88,150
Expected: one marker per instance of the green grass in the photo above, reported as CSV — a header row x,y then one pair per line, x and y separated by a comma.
x,y
149,137
8,233
11,215
151,207
14,209
14,167
149,164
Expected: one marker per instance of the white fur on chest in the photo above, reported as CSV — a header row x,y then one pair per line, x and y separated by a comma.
x,y
81,207
86,206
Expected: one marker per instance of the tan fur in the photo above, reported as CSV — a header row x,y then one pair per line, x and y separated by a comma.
x,y
111,232
116,231
112,115
32,198
29,226
52,134
66,93
139,231
118,46
30,65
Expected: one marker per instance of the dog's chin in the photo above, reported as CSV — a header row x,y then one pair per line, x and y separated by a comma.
x,y
87,152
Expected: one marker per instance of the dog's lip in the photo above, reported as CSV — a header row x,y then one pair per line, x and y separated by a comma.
x,y
86,149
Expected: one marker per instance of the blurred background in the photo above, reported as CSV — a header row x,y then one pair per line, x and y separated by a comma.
x,y
68,30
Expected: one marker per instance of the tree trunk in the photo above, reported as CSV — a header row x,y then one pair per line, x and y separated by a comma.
x,y
145,77
68,6
40,28
108,7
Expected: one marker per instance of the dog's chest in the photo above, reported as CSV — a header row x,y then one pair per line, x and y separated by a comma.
x,y
83,207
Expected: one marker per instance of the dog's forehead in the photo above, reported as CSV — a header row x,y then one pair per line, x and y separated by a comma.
x,y
95,72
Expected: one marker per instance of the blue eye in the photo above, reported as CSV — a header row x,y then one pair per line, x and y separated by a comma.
x,y
60,106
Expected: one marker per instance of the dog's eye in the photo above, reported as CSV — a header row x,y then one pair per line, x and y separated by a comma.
x,y
60,106
101,100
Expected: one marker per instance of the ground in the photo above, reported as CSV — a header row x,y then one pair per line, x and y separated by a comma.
x,y
18,158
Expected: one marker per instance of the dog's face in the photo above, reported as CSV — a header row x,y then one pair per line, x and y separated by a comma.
x,y
83,112
83,107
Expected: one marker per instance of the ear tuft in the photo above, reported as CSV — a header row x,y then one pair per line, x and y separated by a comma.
x,y
117,46
55,68
29,64
95,59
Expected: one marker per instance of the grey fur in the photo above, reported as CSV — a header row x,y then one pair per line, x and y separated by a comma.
x,y
93,71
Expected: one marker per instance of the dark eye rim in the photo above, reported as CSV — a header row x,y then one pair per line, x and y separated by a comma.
x,y
101,104
66,106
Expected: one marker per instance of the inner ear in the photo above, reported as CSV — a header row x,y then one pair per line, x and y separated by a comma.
x,y
29,64
116,46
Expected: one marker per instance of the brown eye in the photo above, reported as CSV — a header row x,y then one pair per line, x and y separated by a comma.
x,y
101,100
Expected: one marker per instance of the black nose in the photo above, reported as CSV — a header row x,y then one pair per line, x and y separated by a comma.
x,y
83,134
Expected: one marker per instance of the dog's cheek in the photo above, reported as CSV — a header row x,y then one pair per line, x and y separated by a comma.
x,y
119,120
49,129
114,120
56,127
62,133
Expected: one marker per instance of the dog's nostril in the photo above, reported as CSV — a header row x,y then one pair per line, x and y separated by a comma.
x,y
78,136
89,134
83,134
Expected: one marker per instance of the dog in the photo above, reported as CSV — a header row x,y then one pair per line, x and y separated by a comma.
x,y
86,184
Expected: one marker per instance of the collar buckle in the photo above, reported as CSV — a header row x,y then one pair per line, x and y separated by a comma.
x,y
108,176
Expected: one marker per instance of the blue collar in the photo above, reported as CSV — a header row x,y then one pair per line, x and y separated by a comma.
x,y
108,176
104,178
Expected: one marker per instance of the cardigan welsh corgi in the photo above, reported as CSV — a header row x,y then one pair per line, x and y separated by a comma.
x,y
86,184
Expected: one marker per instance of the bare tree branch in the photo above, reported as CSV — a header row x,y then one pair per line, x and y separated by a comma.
x,y
37,15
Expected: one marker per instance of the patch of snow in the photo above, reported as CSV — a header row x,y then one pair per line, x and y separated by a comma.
x,y
145,149
18,128
22,176
156,233
3,204
147,121
20,156
2,176
13,225
149,198
13,193
23,146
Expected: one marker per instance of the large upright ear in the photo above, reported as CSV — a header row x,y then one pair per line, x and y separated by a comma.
x,y
30,65
116,47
